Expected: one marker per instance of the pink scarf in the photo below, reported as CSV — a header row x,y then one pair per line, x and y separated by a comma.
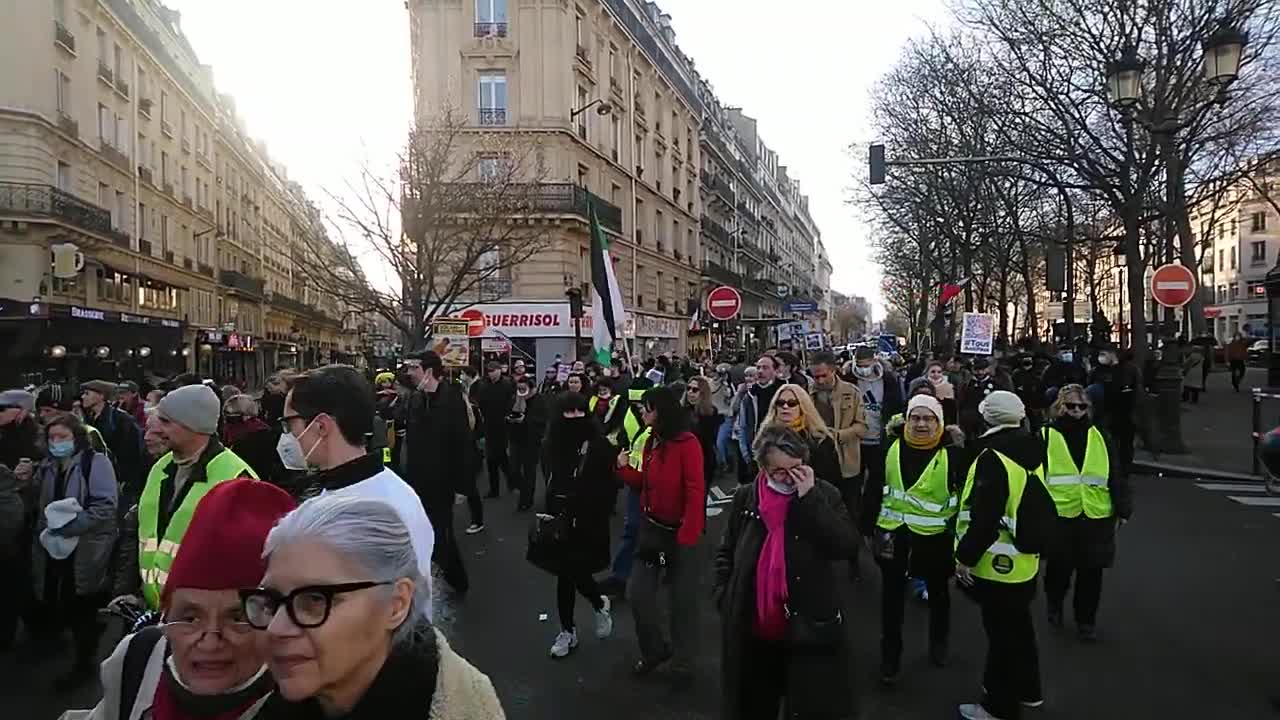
x,y
771,568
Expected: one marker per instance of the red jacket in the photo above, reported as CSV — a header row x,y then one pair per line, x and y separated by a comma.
x,y
671,485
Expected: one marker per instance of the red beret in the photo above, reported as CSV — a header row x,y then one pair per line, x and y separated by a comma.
x,y
222,548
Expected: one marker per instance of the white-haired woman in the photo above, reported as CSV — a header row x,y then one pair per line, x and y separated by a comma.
x,y
343,612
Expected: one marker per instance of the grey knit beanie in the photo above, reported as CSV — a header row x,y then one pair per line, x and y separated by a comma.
x,y
1002,409
194,407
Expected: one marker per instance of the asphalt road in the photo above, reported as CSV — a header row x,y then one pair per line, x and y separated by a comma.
x,y
1187,631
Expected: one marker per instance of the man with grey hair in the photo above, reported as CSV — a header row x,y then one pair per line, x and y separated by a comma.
x,y
119,431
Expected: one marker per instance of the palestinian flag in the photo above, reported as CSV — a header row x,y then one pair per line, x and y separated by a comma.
x,y
607,312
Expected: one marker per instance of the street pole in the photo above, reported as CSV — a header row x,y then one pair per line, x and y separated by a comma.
x,y
577,338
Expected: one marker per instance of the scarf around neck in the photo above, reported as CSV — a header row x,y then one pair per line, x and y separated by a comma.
x,y
771,567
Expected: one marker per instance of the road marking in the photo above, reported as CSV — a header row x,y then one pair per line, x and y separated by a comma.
x,y
1259,501
1232,487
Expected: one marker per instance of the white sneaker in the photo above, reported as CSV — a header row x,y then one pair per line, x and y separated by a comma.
x,y
473,528
975,711
565,642
604,620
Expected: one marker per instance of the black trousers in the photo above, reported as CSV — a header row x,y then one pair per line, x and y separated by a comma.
x,y
1122,434
873,462
1012,672
495,457
524,467
764,684
446,552
1237,373
893,600
1057,579
851,494
568,586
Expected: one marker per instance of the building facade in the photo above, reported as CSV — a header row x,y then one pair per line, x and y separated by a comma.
x,y
626,124
1239,242
117,150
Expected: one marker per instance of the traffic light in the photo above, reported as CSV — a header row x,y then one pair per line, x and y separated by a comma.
x,y
575,302
876,160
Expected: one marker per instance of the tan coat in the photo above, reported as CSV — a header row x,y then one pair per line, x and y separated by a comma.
x,y
462,692
850,426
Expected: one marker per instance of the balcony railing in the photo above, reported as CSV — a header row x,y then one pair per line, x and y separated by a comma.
x,y
722,274
144,247
493,116
63,36
122,87
723,189
113,155
49,202
104,72
241,282
490,29
144,172
716,231
584,54
205,269
166,127
144,107
534,199
68,125
284,302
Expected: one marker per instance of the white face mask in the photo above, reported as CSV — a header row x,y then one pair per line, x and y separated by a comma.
x,y
289,448
782,488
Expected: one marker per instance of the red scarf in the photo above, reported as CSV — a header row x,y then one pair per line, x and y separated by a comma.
x,y
771,567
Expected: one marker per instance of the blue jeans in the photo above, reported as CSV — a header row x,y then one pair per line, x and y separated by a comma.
x,y
626,555
724,442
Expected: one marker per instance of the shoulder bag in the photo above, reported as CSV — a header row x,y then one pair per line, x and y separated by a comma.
x,y
655,540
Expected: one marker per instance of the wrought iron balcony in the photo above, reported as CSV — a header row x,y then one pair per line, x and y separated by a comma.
x,y
490,29
68,124
240,282
63,36
536,199
113,155
47,201
716,231
104,72
144,106
144,172
284,302
122,87
493,116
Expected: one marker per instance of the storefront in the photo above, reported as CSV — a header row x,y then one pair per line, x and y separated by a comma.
x,y
233,358
544,331
46,342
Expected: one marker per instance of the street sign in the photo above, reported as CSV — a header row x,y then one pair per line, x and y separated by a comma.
x,y
1173,285
724,303
800,306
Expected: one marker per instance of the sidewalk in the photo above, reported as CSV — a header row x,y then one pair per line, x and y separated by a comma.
x,y
1217,431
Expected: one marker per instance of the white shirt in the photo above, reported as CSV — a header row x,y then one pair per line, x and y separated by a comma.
x,y
391,489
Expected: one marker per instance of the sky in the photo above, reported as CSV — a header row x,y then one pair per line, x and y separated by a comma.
x,y
325,84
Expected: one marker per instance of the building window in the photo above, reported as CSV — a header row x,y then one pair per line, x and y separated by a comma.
x,y
1258,222
106,133
582,176
1259,256
582,112
62,85
491,18
1233,258
164,167
64,176
1256,289
493,98
121,210
164,106
492,167
118,64
1222,254
1233,291
617,137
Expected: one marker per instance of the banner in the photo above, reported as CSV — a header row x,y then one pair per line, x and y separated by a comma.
x,y
977,333
449,340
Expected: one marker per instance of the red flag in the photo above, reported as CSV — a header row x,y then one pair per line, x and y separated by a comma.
x,y
951,290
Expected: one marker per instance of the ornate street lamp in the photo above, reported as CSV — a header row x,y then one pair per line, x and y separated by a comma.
x,y
1222,53
1124,80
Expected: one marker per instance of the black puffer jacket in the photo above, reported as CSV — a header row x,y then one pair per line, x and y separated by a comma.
x,y
819,538
1037,515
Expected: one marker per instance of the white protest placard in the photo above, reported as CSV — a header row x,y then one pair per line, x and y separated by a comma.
x,y
977,333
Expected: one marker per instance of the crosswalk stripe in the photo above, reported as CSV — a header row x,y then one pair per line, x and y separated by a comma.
x,y
1232,487
1260,501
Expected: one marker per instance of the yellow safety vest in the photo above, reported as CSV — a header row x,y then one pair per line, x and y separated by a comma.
x,y
1002,561
927,506
156,554
637,449
1078,490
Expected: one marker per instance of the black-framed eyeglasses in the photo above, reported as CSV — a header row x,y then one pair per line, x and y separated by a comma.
x,y
308,607
1076,406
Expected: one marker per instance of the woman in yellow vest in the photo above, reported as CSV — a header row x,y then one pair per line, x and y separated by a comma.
x,y
1092,495
1006,519
908,522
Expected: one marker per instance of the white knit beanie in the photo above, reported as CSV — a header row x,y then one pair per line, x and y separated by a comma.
x,y
1002,409
927,402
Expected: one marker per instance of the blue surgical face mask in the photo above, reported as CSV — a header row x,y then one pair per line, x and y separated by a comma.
x,y
62,448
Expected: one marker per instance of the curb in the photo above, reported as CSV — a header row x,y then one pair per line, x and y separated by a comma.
x,y
1162,468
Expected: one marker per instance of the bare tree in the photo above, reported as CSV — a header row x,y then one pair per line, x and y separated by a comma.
x,y
446,226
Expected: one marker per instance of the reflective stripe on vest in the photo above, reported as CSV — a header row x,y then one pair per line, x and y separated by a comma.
x,y
156,554
1077,490
637,450
927,506
1001,561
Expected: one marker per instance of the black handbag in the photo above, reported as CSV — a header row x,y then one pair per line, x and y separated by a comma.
x,y
806,633
655,540
549,532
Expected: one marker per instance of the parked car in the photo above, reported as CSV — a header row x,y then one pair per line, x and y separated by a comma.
x,y
1258,351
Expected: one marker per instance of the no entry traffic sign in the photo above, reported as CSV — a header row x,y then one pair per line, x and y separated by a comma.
x,y
1173,285
723,303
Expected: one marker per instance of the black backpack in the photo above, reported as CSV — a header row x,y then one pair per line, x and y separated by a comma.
x,y
136,656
